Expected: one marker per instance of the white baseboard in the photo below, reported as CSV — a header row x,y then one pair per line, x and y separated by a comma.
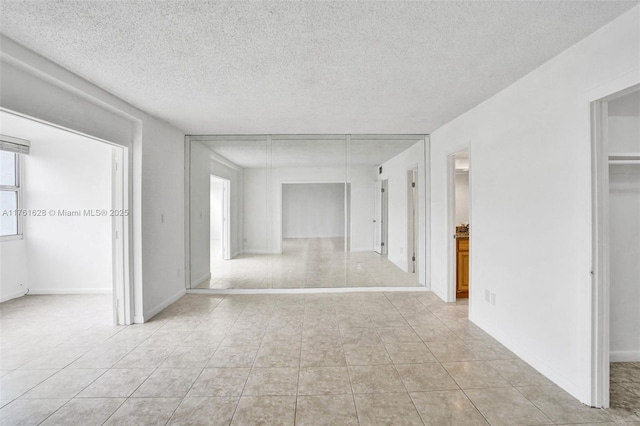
x,y
200,280
15,295
440,295
257,252
354,250
624,356
104,290
235,254
158,308
534,361
303,290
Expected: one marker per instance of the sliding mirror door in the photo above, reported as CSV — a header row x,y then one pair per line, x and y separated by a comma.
x,y
228,225
310,219
306,211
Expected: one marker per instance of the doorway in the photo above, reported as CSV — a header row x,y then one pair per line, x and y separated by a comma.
x,y
77,243
219,219
380,214
615,122
459,224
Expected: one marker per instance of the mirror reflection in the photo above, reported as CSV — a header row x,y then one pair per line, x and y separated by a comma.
x,y
301,211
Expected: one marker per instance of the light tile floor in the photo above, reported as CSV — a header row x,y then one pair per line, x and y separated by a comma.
x,y
339,359
306,263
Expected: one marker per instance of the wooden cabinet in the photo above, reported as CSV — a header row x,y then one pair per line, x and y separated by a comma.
x,y
462,267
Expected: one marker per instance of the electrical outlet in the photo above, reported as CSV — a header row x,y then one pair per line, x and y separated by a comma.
x,y
487,295
493,299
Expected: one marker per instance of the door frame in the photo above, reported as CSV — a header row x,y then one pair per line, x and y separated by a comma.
x,y
122,290
600,272
384,217
226,214
121,224
413,213
451,223
377,216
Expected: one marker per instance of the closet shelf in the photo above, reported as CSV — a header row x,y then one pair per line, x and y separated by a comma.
x,y
624,158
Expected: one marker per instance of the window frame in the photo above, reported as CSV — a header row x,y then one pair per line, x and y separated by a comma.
x,y
17,188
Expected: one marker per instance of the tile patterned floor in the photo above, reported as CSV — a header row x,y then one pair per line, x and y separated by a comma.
x,y
306,263
321,359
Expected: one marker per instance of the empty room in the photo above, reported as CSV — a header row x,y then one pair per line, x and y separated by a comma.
x,y
319,213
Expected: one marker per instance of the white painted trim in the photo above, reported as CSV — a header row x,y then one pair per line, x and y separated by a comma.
x,y
362,249
103,290
600,285
625,356
236,253
205,277
258,252
4,298
226,221
187,215
527,356
439,294
420,289
427,212
157,309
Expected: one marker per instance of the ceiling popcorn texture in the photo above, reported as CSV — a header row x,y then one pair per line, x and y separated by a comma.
x,y
303,67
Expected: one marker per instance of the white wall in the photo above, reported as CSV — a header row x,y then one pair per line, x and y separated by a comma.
x,y
624,219
263,206
34,86
256,215
313,210
216,210
624,203
199,220
462,197
624,134
395,170
13,269
531,231
68,254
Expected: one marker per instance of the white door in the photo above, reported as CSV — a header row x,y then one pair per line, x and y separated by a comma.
x,y
377,217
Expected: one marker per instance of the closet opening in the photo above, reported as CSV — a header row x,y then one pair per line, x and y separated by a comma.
x,y
616,248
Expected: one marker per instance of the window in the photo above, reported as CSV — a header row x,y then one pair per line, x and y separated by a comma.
x,y
10,193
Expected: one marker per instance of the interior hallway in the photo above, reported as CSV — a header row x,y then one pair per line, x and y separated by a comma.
x,y
347,358
306,263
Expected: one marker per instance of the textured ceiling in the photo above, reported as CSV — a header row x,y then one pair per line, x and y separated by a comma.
x,y
303,67
308,152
